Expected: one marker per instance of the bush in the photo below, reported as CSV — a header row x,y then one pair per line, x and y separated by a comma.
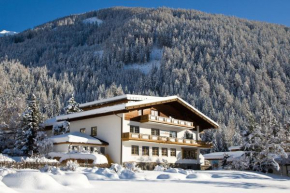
x,y
72,165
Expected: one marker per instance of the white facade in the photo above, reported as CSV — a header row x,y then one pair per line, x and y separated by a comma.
x,y
108,129
128,157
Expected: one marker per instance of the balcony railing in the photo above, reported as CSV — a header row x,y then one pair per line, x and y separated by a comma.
x,y
163,139
166,120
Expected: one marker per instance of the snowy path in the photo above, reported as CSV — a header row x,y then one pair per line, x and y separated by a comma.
x,y
147,182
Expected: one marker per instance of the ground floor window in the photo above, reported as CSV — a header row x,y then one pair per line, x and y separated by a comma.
x,y
135,150
189,153
83,130
145,150
103,150
173,152
164,152
155,151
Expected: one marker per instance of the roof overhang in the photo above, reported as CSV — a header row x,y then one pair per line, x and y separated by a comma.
x,y
123,108
164,100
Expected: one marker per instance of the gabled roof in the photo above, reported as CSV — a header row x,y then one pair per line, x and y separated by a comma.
x,y
143,101
162,100
116,98
76,137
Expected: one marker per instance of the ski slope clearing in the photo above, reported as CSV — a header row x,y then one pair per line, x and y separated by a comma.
x,y
123,180
93,20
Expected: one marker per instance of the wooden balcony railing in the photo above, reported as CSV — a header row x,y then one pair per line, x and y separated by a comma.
x,y
165,140
166,120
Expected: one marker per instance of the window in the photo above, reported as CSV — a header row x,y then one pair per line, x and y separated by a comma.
x,y
145,150
134,129
153,112
102,150
188,135
189,154
135,150
75,148
173,152
173,134
155,132
155,151
140,112
164,152
83,130
94,131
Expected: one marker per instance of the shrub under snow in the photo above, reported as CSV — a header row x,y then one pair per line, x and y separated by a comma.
x,y
117,168
5,158
159,168
132,166
38,160
52,169
71,165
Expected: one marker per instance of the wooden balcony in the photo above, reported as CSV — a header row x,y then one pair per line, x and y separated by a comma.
x,y
165,140
167,121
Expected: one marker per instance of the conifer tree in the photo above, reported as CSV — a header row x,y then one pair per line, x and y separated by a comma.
x,y
72,107
30,125
263,143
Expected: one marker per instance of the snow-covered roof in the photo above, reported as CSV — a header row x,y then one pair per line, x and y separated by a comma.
x,y
49,122
140,100
98,158
238,147
92,112
116,98
76,137
5,158
220,155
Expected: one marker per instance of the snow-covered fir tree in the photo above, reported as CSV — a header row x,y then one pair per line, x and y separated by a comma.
x,y
72,107
30,125
43,144
60,128
263,143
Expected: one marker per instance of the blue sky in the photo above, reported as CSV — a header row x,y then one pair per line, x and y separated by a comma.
x,y
19,15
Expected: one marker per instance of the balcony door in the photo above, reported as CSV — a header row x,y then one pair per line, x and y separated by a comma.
x,y
134,129
155,132
173,134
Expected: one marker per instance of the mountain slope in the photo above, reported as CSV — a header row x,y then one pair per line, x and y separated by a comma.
x,y
224,66
7,33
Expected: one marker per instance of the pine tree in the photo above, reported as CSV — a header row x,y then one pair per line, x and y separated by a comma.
x,y
26,135
44,145
263,142
72,107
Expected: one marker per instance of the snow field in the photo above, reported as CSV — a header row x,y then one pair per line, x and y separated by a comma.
x,y
120,179
93,20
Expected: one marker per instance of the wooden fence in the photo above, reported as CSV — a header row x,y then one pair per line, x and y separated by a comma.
x,y
39,165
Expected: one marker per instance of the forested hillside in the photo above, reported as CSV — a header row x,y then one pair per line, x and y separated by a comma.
x,y
224,66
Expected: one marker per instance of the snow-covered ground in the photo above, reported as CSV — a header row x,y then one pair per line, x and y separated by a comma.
x,y
91,180
93,20
155,58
